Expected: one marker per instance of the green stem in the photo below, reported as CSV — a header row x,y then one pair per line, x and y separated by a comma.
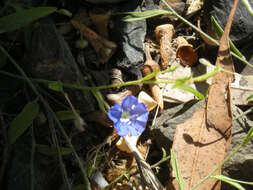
x,y
244,113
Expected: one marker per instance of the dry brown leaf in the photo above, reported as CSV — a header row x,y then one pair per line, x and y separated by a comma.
x,y
219,114
201,143
198,150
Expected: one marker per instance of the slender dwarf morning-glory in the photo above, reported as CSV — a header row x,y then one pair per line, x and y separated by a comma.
x,y
130,117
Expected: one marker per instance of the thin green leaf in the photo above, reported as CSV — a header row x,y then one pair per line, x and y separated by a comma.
x,y
151,75
21,123
230,181
250,98
170,69
248,137
189,89
220,31
56,86
134,16
66,115
65,12
99,99
24,17
207,75
247,5
234,180
52,151
176,170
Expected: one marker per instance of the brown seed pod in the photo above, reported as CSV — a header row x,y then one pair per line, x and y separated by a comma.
x,y
149,67
164,34
185,52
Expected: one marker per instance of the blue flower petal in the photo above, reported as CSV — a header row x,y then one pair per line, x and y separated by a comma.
x,y
122,128
143,118
129,103
139,109
136,129
115,113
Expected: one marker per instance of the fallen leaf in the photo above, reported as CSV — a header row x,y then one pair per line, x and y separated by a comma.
x,y
201,143
198,150
218,108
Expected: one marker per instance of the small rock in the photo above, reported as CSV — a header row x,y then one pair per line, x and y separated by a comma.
x,y
51,59
242,26
130,38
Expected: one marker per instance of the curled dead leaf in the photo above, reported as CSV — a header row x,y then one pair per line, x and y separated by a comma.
x,y
185,52
116,77
121,144
147,100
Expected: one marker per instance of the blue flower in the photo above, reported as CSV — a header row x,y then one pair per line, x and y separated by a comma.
x,y
130,117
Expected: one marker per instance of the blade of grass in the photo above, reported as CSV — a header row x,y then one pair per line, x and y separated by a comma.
x,y
52,151
247,5
220,31
176,170
187,88
23,121
66,115
230,179
227,180
135,16
24,17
